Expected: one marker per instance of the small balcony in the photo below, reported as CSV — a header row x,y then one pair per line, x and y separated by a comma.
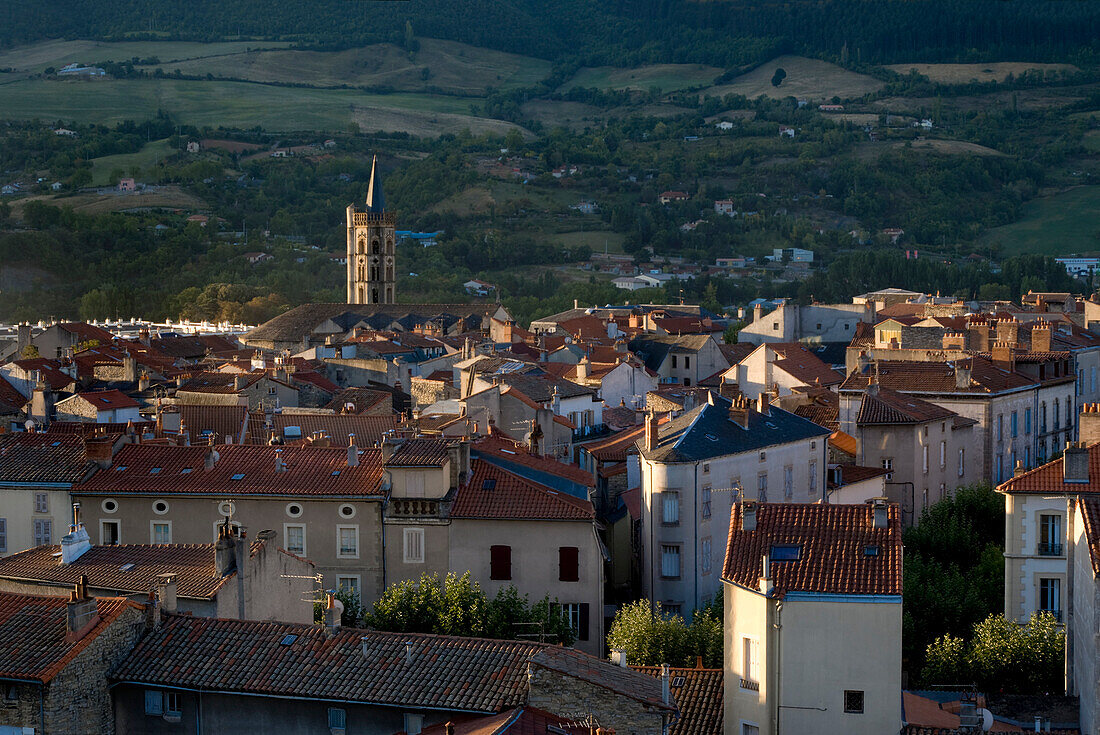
x,y
413,507
1050,549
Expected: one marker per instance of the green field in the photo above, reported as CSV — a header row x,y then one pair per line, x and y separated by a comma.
x,y
809,79
1055,225
666,77
598,240
237,104
36,57
131,164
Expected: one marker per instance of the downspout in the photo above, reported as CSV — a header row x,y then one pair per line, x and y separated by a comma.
x,y
388,484
695,542
652,590
778,625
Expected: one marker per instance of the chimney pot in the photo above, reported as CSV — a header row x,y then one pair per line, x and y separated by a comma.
x,y
748,515
666,694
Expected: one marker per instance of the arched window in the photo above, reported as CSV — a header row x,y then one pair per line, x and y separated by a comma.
x,y
389,245
362,246
375,247
374,296
389,295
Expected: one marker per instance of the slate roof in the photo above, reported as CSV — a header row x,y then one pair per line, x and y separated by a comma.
x,y
193,565
240,470
222,383
42,458
654,348
833,541
493,492
706,432
699,699
32,634
419,453
885,406
367,666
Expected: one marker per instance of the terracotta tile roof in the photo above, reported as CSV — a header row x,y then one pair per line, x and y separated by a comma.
x,y
620,417
316,379
844,442
32,634
193,565
86,332
513,452
367,666
615,447
42,458
884,406
849,474
1090,513
632,499
419,453
938,377
362,398
216,421
823,410
368,430
698,697
803,365
737,352
107,400
519,721
89,429
193,347
1049,479
833,543
240,470
51,371
11,400
493,492
215,382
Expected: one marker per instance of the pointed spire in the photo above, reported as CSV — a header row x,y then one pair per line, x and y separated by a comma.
x,y
375,201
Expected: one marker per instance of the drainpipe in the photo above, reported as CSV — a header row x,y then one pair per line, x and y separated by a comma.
x,y
387,480
778,625
695,543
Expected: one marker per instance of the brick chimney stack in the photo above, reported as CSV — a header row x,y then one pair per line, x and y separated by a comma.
x,y
1041,337
979,333
652,437
1088,424
81,612
1004,356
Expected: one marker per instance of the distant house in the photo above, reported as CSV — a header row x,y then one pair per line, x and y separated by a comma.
x,y
330,143
56,186
794,255
672,196
127,185
100,407
629,283
724,206
1079,267
479,288
339,258
784,130
894,233
690,138
79,70
736,262
831,108
201,219
279,153
426,239
192,146
257,257
724,125
586,207
65,131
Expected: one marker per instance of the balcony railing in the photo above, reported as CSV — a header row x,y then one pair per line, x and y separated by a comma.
x,y
753,686
1050,549
413,507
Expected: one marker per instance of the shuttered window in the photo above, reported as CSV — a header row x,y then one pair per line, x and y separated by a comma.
x,y
43,531
414,545
3,535
500,562
568,564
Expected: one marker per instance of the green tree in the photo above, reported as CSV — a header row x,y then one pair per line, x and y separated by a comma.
x,y
730,335
779,76
650,638
30,352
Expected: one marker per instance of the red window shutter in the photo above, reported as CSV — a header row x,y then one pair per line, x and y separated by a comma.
x,y
500,562
568,564
582,634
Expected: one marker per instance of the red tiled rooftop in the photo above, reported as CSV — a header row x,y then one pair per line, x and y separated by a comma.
x,y
107,400
884,406
419,453
493,492
698,697
511,451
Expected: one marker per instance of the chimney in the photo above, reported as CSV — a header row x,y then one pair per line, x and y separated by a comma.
x,y
739,411
1008,330
765,403
209,460
76,541
881,515
129,369
1040,337
42,400
143,382
99,450
24,338
225,551
954,341
389,446
618,657
1075,463
582,369
1019,469
748,515
449,728
332,616
81,612
757,313
353,452
962,375
166,592
666,694
1003,356
979,331
239,382
652,436
766,586
408,653
280,465
1088,424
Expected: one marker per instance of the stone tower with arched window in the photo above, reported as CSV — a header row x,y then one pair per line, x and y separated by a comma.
x,y
371,253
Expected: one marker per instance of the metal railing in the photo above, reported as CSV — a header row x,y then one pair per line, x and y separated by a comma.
x,y
1050,549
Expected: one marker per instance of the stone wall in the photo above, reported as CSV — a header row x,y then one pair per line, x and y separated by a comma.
x,y
575,699
22,709
426,392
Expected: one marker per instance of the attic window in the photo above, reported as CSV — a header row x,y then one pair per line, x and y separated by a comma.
x,y
56,444
711,437
871,550
126,567
238,476
489,483
786,552
335,473
677,681
105,400
185,470
769,424
154,471
288,639
120,468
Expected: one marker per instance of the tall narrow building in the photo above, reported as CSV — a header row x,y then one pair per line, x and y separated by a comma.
x,y
371,251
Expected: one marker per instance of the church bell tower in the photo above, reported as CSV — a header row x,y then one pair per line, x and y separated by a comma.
x,y
371,251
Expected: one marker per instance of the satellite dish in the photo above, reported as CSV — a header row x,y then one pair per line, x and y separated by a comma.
x,y
987,719
226,508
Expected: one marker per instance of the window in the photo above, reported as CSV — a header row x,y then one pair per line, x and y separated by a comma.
x,y
348,542
160,507
813,478
571,611
1014,425
888,465
1001,426
670,561
413,543
109,533
962,461
1092,380
500,562
568,564
43,531
3,535
788,482
853,702
109,505
1043,417
750,664
674,361
172,704
1027,457
1057,415
775,326
41,503
943,454
670,508
924,458
705,503
704,555
349,584
1050,597
687,361
763,456
414,723
1027,421
337,718
785,552
160,532
294,536
1050,534
746,728
294,510
154,702
998,468
762,487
